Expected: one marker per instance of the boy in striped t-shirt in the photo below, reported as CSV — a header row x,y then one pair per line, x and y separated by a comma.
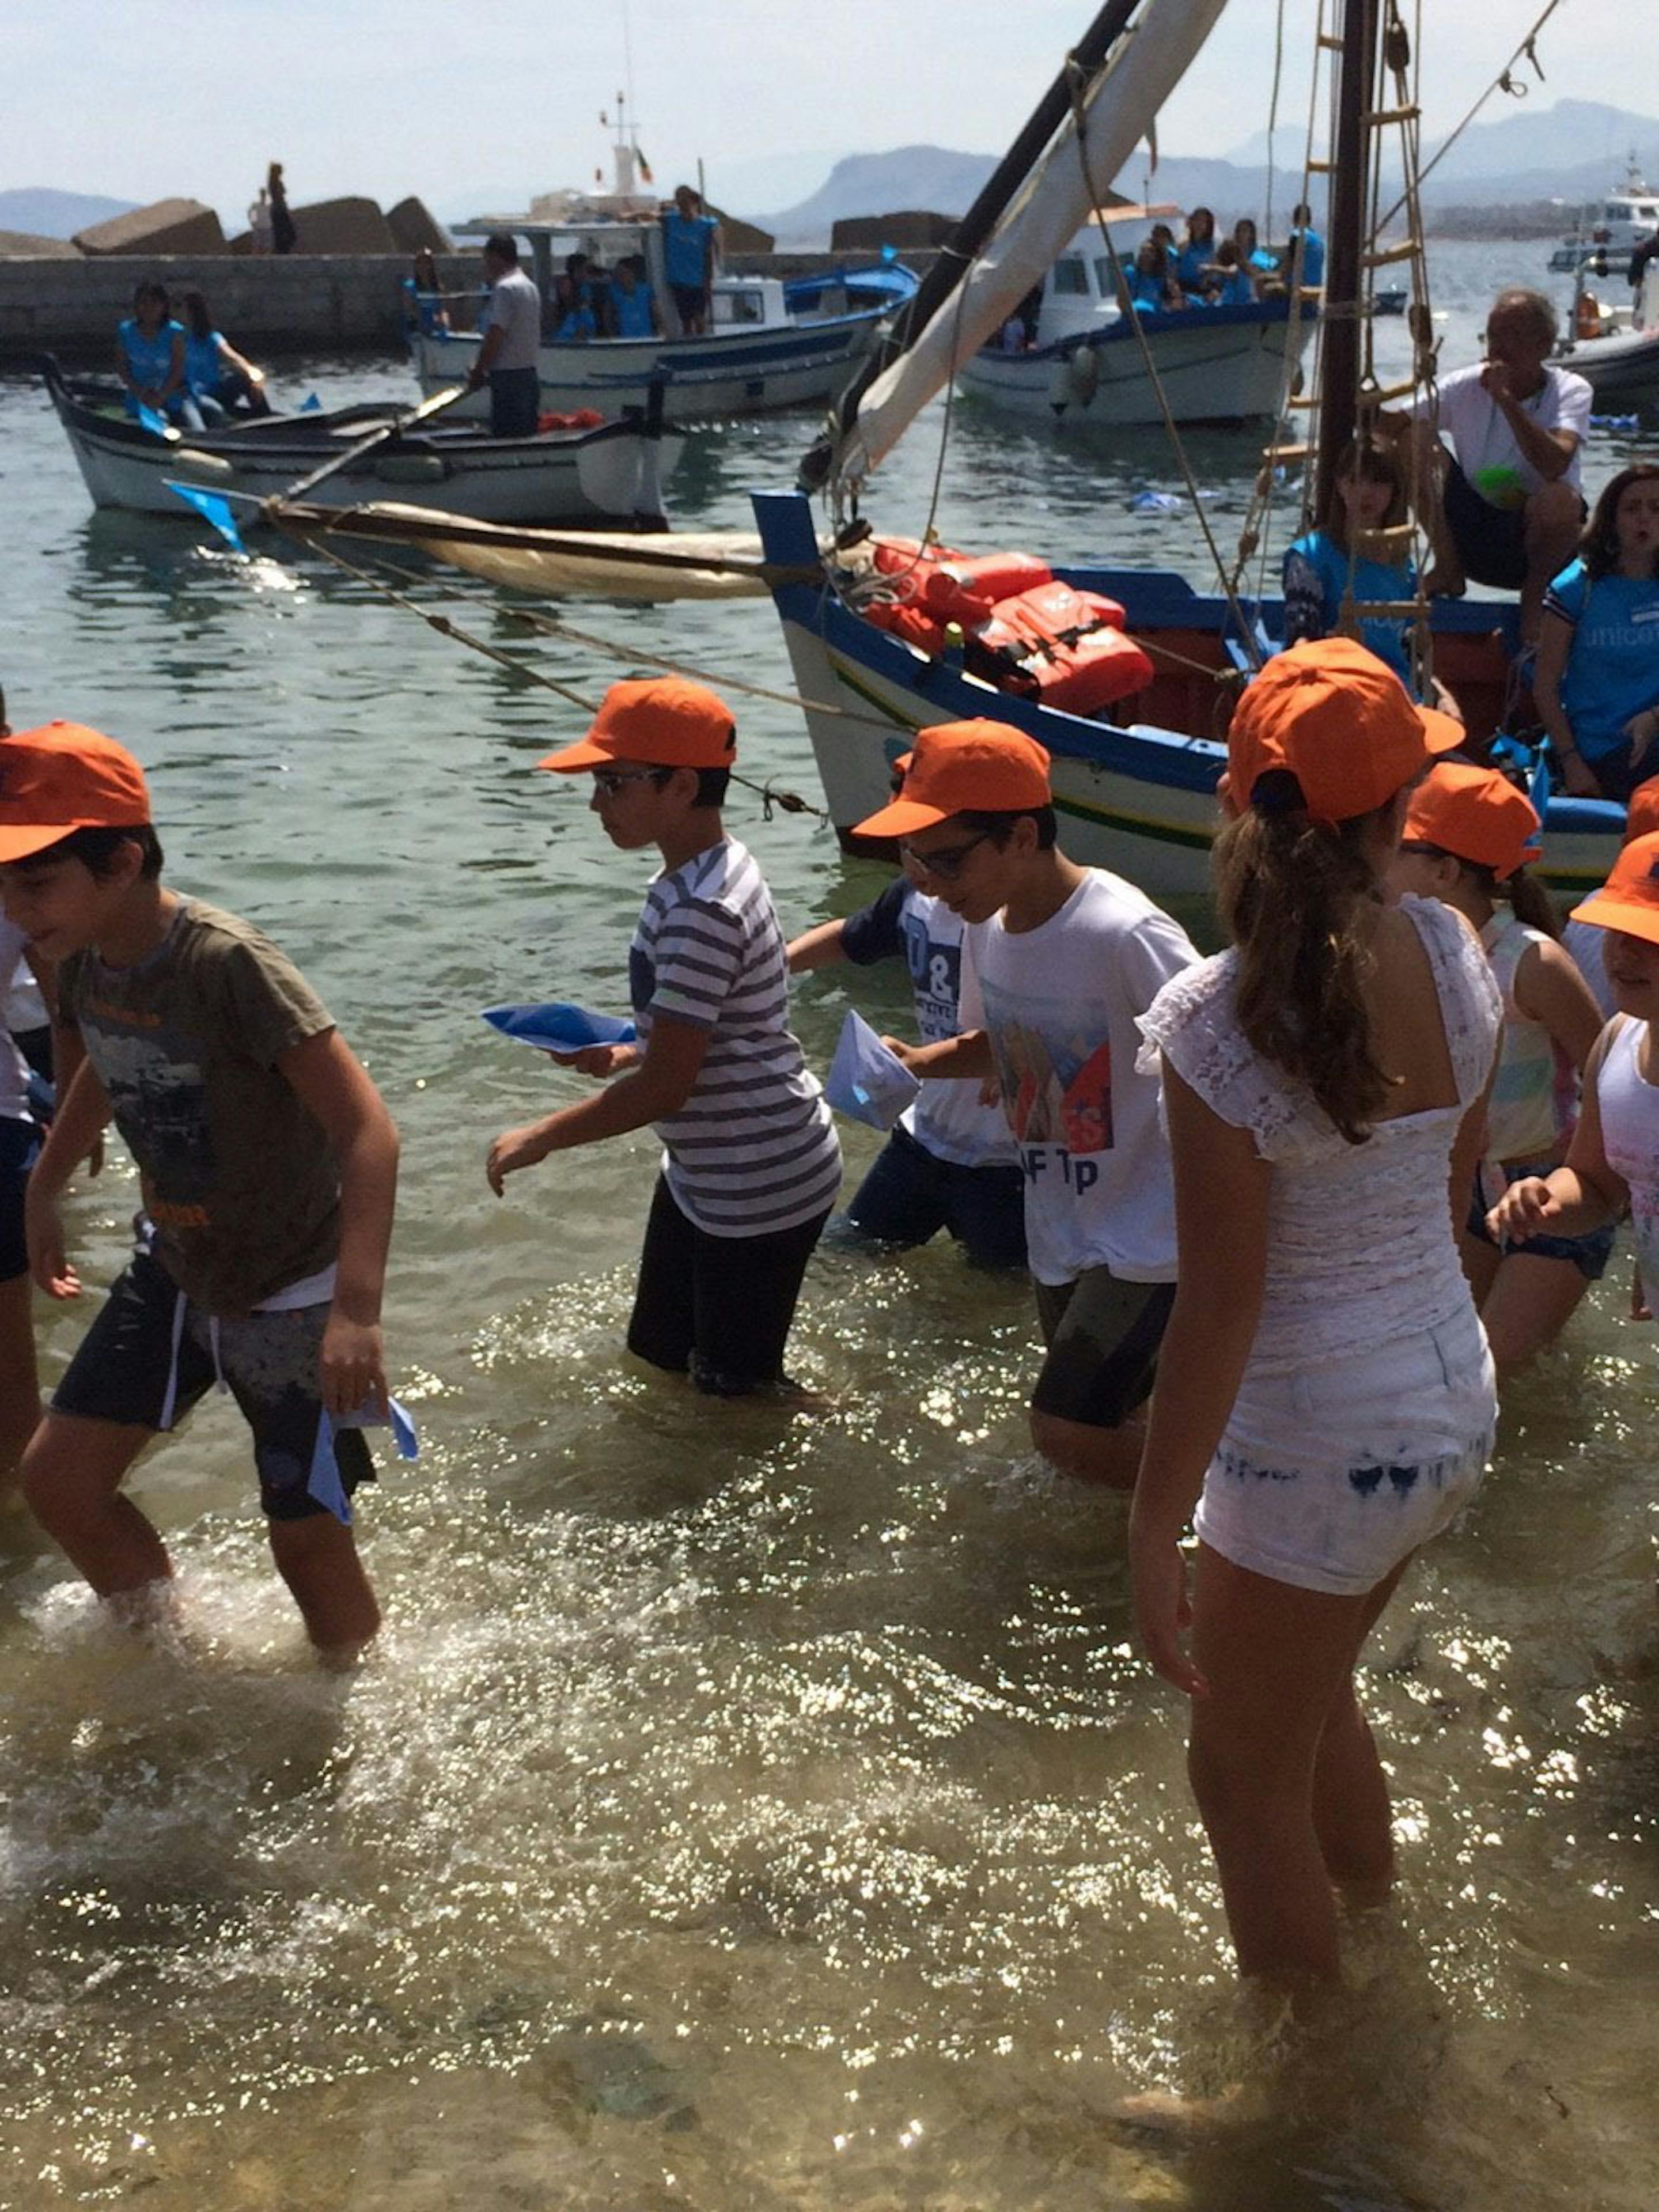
x,y
751,1164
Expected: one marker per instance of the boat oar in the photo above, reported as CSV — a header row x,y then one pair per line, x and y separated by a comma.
x,y
423,413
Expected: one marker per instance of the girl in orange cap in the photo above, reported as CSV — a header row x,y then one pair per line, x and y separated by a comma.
x,y
1325,1397
1613,1162
1468,835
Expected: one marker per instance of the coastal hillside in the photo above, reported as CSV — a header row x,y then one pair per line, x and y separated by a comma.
x,y
47,213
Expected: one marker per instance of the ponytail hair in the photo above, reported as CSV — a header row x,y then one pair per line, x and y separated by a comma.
x,y
1290,893
1531,902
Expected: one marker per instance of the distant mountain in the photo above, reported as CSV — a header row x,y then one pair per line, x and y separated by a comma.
x,y
51,214
1570,152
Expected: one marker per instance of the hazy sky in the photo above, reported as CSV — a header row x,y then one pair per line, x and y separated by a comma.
x,y
389,96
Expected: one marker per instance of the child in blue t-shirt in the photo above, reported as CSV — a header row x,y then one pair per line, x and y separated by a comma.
x,y
1367,494
1597,684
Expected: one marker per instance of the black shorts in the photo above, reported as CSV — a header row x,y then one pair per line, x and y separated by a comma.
x,y
1103,1336
268,1362
690,302
1492,541
717,1308
20,1143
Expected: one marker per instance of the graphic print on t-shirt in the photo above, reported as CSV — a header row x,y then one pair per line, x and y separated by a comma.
x,y
158,1097
935,977
1056,1081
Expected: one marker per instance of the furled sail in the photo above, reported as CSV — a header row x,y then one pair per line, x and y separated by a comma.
x,y
1119,107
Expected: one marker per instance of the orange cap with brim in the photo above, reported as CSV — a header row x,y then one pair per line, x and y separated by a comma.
x,y
960,767
1629,900
1476,815
660,722
65,777
1343,724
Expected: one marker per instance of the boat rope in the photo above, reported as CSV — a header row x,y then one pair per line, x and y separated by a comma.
x,y
1076,81
1505,81
770,794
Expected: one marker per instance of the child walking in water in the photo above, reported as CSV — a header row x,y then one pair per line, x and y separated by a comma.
x,y
1614,1159
1325,1383
1468,832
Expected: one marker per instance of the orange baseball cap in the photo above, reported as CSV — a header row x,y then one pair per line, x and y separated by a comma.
x,y
61,778
1476,815
1643,812
1341,721
1629,900
661,722
957,767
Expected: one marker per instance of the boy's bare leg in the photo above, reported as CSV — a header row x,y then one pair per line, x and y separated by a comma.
x,y
20,1381
73,1469
316,1558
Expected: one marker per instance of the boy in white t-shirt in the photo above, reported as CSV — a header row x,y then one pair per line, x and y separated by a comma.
x,y
1058,962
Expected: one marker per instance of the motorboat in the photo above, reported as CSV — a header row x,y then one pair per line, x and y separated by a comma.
x,y
592,470
1085,359
1607,232
1620,356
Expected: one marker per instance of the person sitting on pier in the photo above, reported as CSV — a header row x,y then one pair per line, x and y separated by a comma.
x,y
150,358
218,377
506,359
1504,505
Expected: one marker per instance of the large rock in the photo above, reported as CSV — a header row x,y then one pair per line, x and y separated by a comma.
x,y
413,228
347,226
20,244
738,236
165,227
868,234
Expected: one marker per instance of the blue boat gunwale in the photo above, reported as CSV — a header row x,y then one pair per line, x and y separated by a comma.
x,y
1264,314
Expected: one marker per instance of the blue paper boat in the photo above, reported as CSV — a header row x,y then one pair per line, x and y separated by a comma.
x,y
557,1026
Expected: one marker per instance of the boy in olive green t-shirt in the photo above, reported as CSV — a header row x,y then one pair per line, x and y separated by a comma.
x,y
268,1166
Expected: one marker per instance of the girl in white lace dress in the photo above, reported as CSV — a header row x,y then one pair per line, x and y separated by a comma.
x,y
1325,1383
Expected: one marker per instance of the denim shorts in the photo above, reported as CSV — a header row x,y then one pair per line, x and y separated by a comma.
x,y
20,1144
1590,1253
268,1362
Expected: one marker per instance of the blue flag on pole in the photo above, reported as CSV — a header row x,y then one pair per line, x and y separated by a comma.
x,y
214,510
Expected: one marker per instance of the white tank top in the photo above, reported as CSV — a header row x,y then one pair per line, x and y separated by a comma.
x,y
1524,1118
1630,1137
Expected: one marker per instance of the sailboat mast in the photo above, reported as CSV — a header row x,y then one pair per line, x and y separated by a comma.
x,y
1344,256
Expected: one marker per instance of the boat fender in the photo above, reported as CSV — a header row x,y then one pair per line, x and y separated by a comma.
x,y
1060,386
409,468
1083,373
203,468
1587,317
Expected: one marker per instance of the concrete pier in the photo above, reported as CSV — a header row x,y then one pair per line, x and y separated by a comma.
x,y
267,305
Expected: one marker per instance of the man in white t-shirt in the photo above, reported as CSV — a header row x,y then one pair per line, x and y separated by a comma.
x,y
1059,963
507,358
1505,505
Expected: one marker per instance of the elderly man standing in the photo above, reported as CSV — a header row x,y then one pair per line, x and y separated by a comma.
x,y
506,359
1505,506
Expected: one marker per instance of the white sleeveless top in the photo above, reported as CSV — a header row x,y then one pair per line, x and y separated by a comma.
x,y
1524,1121
1630,1138
1360,1250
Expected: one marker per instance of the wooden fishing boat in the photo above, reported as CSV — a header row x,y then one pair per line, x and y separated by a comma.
x,y
1135,779
608,472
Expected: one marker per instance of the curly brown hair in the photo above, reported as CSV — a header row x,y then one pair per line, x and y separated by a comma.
x,y
1599,546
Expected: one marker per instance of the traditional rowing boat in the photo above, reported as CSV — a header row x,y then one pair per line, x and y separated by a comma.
x,y
611,472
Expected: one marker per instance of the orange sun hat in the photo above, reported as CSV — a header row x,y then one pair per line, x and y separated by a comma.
x,y
1629,900
65,777
660,722
1475,814
1343,724
960,767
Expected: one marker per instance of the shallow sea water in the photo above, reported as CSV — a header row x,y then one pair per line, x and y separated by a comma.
x,y
739,1810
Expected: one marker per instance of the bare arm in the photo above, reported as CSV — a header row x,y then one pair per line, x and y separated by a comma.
x,y
1549,452
1221,1190
331,1084
1582,1194
1555,636
969,1054
1549,989
657,1087
818,947
82,1110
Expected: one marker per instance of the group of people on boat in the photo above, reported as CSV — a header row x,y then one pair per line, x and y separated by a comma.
x,y
187,371
1204,269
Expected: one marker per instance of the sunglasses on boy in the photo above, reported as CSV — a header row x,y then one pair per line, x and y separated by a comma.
x,y
608,782
945,862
